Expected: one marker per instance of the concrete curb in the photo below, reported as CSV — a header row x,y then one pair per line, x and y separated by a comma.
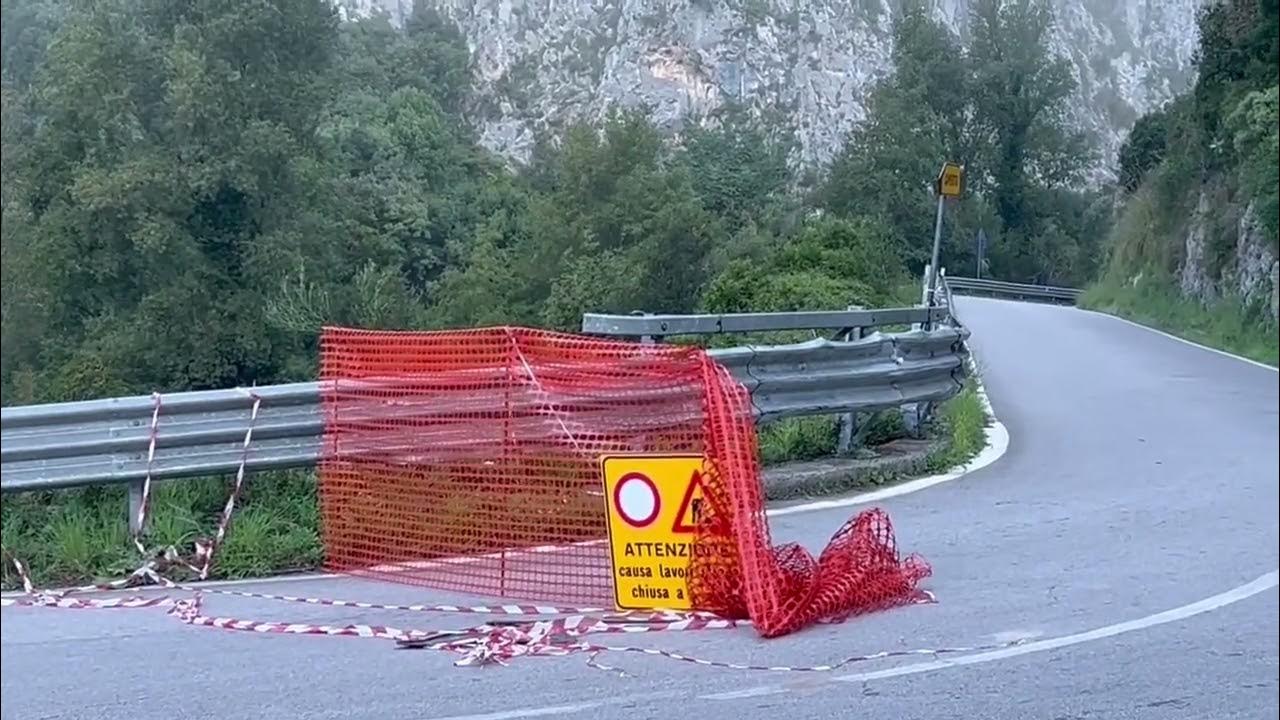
x,y
897,460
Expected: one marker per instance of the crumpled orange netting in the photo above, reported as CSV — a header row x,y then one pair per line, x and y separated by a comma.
x,y
469,460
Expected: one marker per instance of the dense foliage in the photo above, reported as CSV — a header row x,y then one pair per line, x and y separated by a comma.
x,y
1218,141
998,106
190,190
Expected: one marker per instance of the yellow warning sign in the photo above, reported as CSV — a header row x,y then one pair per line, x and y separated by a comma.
x,y
654,503
949,180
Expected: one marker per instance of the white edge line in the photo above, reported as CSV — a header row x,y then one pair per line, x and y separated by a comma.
x,y
1182,340
568,708
1259,585
997,444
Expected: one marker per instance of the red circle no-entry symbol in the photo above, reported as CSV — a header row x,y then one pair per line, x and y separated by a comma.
x,y
636,498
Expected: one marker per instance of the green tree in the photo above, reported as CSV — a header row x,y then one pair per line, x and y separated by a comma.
x,y
28,27
1019,95
428,54
736,167
999,109
1256,140
190,192
1222,147
605,198
1237,54
170,152
917,118
829,263
1143,148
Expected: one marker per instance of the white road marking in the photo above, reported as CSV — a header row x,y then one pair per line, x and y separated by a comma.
x,y
997,444
759,691
1259,585
566,709
1182,340
1234,595
1012,635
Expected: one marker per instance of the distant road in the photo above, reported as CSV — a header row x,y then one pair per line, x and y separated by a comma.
x,y
1130,533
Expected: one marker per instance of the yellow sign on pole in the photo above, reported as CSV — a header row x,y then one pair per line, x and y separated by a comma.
x,y
949,180
654,502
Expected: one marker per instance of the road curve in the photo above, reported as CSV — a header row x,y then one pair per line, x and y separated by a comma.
x,y
1130,534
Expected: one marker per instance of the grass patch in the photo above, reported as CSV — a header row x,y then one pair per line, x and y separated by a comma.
x,y
810,438
954,435
1227,324
962,423
805,438
77,536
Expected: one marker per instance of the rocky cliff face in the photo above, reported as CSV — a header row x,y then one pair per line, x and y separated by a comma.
x,y
541,63
1226,253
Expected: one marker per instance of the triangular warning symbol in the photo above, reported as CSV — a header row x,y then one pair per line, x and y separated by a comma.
x,y
690,505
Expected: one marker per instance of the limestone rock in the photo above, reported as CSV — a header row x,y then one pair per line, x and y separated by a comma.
x,y
539,64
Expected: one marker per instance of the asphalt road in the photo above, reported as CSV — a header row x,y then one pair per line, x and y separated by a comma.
x,y
1130,534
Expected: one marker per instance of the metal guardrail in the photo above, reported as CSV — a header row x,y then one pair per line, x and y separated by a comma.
x,y
61,445
825,377
1000,288
656,326
47,447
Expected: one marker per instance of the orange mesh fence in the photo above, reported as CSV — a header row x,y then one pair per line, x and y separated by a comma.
x,y
469,461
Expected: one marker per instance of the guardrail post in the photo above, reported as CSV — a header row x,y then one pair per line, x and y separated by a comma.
x,y
135,506
644,339
848,432
914,416
848,422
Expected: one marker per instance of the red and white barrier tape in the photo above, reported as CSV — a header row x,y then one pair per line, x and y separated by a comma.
x,y
207,551
492,642
504,644
63,599
189,611
204,550
501,644
850,660
509,609
140,521
149,574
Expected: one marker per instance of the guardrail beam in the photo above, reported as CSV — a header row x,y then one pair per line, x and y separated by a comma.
x,y
668,325
1023,291
63,445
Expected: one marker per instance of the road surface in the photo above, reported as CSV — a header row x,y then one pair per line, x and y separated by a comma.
x,y
1130,534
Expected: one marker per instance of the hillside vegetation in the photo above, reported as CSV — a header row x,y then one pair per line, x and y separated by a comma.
x,y
190,191
1195,245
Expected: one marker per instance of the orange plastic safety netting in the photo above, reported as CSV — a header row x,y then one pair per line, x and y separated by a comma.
x,y
469,461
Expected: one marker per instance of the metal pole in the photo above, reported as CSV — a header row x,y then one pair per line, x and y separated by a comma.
x,y
937,242
135,507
